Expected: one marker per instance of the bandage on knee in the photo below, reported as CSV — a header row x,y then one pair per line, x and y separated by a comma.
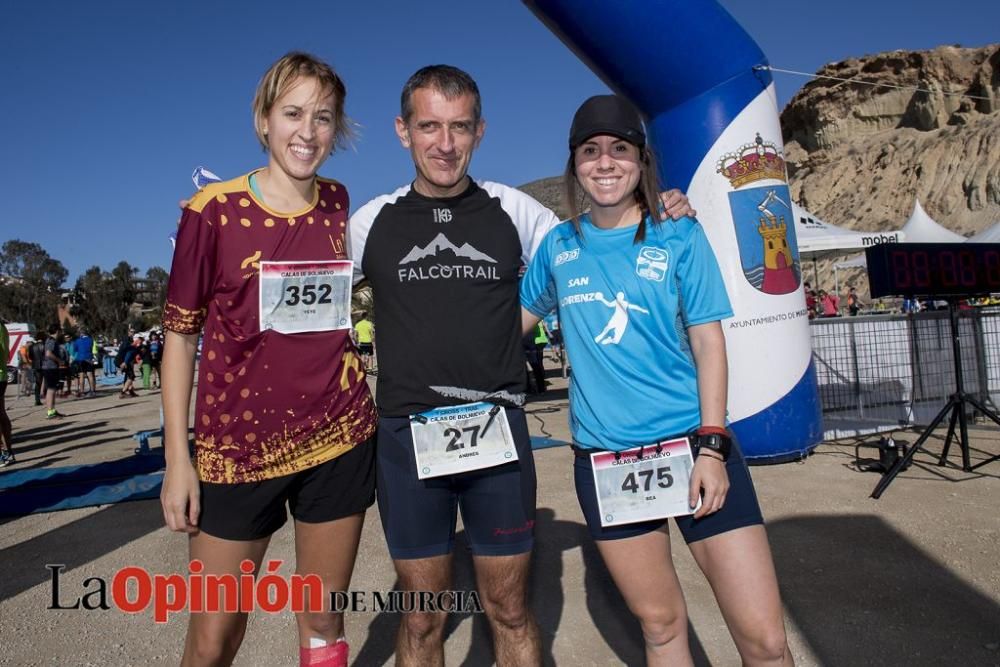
x,y
331,655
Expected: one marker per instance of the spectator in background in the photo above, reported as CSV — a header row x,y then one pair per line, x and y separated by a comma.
x,y
145,365
533,355
110,352
24,368
829,304
811,302
541,334
83,356
37,358
854,304
6,453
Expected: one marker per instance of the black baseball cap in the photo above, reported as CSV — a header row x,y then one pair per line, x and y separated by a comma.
x,y
606,114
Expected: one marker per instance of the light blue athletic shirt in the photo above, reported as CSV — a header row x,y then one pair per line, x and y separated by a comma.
x,y
624,309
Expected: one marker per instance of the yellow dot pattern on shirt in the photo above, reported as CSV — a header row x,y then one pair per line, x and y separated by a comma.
x,y
222,396
210,399
227,439
269,222
210,377
211,355
326,222
224,418
222,338
247,415
245,222
223,219
310,220
333,188
228,377
322,202
291,222
244,202
244,393
250,437
336,205
206,420
221,199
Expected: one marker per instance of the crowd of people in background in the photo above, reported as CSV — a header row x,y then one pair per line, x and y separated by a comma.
x,y
821,304
54,365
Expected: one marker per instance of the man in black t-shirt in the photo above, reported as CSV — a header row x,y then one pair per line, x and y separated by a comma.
x,y
442,255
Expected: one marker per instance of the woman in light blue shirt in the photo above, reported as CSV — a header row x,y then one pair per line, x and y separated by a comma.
x,y
640,303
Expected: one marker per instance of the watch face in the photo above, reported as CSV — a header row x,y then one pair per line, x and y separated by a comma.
x,y
715,442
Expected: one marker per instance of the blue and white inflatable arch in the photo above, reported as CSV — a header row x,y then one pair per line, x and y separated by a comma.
x,y
712,115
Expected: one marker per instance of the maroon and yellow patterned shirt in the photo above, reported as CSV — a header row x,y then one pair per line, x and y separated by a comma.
x,y
268,403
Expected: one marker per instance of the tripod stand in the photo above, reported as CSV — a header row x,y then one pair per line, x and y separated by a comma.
x,y
956,406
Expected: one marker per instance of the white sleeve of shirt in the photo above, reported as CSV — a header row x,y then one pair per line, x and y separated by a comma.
x,y
360,225
532,220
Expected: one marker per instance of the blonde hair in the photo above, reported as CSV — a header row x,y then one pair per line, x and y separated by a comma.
x,y
283,74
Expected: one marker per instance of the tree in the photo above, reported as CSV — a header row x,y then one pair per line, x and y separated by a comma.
x,y
156,279
104,299
30,283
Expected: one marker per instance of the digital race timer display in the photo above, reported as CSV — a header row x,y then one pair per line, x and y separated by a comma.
x,y
933,269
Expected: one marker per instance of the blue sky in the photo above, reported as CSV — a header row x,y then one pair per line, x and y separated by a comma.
x,y
109,105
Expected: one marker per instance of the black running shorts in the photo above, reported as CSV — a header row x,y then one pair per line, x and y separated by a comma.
x,y
251,510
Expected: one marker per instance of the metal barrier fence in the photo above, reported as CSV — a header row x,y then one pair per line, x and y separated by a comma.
x,y
881,372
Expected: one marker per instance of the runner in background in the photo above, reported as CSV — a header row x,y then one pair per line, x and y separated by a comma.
x,y
83,357
365,332
283,415
155,347
640,303
52,364
125,359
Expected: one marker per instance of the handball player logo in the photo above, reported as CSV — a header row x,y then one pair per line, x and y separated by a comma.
x,y
762,217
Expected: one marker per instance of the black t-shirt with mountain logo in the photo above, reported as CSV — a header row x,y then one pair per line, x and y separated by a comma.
x,y
444,274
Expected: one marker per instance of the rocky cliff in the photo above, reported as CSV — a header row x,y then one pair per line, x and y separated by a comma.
x,y
859,154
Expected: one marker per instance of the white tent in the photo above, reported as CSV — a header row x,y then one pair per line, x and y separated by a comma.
x,y
988,235
818,239
921,228
852,263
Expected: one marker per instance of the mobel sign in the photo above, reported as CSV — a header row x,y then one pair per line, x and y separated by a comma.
x,y
878,239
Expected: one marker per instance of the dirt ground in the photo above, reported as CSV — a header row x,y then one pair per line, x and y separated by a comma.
x,y
910,579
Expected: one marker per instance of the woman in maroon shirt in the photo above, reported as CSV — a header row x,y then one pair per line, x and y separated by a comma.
x,y
283,414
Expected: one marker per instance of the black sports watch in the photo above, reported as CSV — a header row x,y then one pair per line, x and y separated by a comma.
x,y
717,442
